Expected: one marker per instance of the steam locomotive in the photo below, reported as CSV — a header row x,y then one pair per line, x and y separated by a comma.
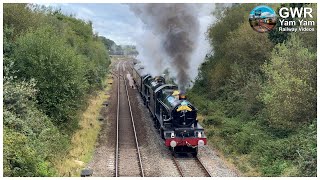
x,y
174,116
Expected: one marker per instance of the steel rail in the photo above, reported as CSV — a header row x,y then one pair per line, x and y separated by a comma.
x,y
178,166
118,110
203,167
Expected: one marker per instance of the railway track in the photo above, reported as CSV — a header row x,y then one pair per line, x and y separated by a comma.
x,y
190,167
127,156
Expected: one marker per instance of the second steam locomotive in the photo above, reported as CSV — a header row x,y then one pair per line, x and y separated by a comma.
x,y
174,116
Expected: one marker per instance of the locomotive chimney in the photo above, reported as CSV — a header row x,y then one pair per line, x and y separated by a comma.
x,y
182,96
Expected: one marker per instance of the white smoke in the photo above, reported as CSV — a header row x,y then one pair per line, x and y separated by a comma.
x,y
206,18
148,46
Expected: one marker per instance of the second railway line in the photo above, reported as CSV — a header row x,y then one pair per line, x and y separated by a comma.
x,y
127,156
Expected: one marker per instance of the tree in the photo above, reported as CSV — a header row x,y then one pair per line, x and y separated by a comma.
x,y
51,62
290,91
231,19
108,43
21,17
30,138
58,70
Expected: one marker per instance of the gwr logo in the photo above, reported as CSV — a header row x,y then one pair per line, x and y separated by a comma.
x,y
285,12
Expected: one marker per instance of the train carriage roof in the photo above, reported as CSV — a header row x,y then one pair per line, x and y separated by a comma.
x,y
171,86
140,70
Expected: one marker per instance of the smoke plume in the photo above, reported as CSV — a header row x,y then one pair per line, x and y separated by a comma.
x,y
171,37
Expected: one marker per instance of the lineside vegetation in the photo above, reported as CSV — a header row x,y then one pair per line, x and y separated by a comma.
x,y
258,95
52,63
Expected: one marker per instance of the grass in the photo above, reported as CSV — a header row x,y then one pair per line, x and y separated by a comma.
x,y
84,139
226,150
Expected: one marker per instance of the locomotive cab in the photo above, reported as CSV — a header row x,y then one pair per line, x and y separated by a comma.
x,y
152,85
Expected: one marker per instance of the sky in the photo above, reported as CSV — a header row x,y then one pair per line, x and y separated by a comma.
x,y
113,21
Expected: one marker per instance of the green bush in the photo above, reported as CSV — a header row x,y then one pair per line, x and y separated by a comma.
x,y
276,168
21,158
276,156
259,99
96,64
249,136
306,149
213,120
231,19
20,17
57,69
8,45
229,129
289,93
28,148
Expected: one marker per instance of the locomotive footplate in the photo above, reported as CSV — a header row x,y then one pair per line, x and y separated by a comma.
x,y
189,142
